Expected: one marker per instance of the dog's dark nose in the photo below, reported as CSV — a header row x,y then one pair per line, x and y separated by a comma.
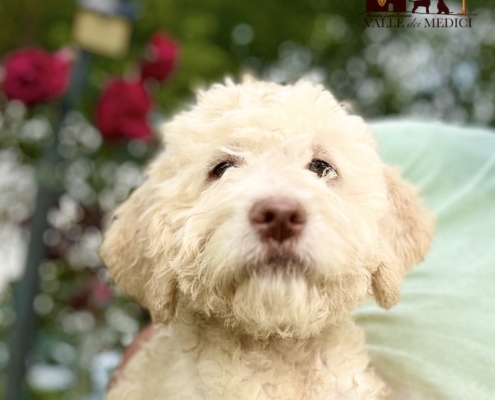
x,y
277,218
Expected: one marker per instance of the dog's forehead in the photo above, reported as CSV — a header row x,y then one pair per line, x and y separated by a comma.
x,y
259,116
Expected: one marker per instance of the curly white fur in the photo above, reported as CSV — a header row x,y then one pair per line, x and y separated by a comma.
x,y
240,327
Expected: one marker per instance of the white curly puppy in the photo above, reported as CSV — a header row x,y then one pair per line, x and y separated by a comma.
x,y
266,221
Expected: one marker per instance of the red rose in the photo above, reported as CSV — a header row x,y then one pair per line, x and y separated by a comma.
x,y
123,109
102,294
34,76
160,58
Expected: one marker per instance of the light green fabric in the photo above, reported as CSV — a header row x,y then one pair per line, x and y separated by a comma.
x,y
439,341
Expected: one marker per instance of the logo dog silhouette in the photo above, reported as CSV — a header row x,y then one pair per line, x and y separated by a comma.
x,y
421,3
442,7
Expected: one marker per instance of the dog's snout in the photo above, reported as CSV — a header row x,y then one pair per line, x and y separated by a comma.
x,y
278,218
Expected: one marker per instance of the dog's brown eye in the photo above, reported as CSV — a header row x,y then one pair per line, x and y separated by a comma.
x,y
219,170
321,168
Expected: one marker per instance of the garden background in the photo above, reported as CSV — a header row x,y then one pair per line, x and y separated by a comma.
x,y
82,321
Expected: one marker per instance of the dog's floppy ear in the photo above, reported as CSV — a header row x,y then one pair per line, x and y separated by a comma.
x,y
406,232
135,252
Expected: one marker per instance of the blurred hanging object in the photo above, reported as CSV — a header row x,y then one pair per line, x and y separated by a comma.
x,y
104,28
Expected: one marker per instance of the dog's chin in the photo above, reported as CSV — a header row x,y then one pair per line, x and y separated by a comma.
x,y
284,297
281,295
279,302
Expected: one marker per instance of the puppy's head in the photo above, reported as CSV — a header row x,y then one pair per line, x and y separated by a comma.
x,y
269,211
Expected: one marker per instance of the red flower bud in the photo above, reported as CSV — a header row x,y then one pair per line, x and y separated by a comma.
x,y
122,111
160,58
33,76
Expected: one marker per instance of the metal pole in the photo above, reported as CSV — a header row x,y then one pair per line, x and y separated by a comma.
x,y
23,330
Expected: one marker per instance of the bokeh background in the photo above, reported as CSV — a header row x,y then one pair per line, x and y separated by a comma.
x,y
82,322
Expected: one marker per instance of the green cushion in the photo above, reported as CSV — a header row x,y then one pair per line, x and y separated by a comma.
x,y
439,341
